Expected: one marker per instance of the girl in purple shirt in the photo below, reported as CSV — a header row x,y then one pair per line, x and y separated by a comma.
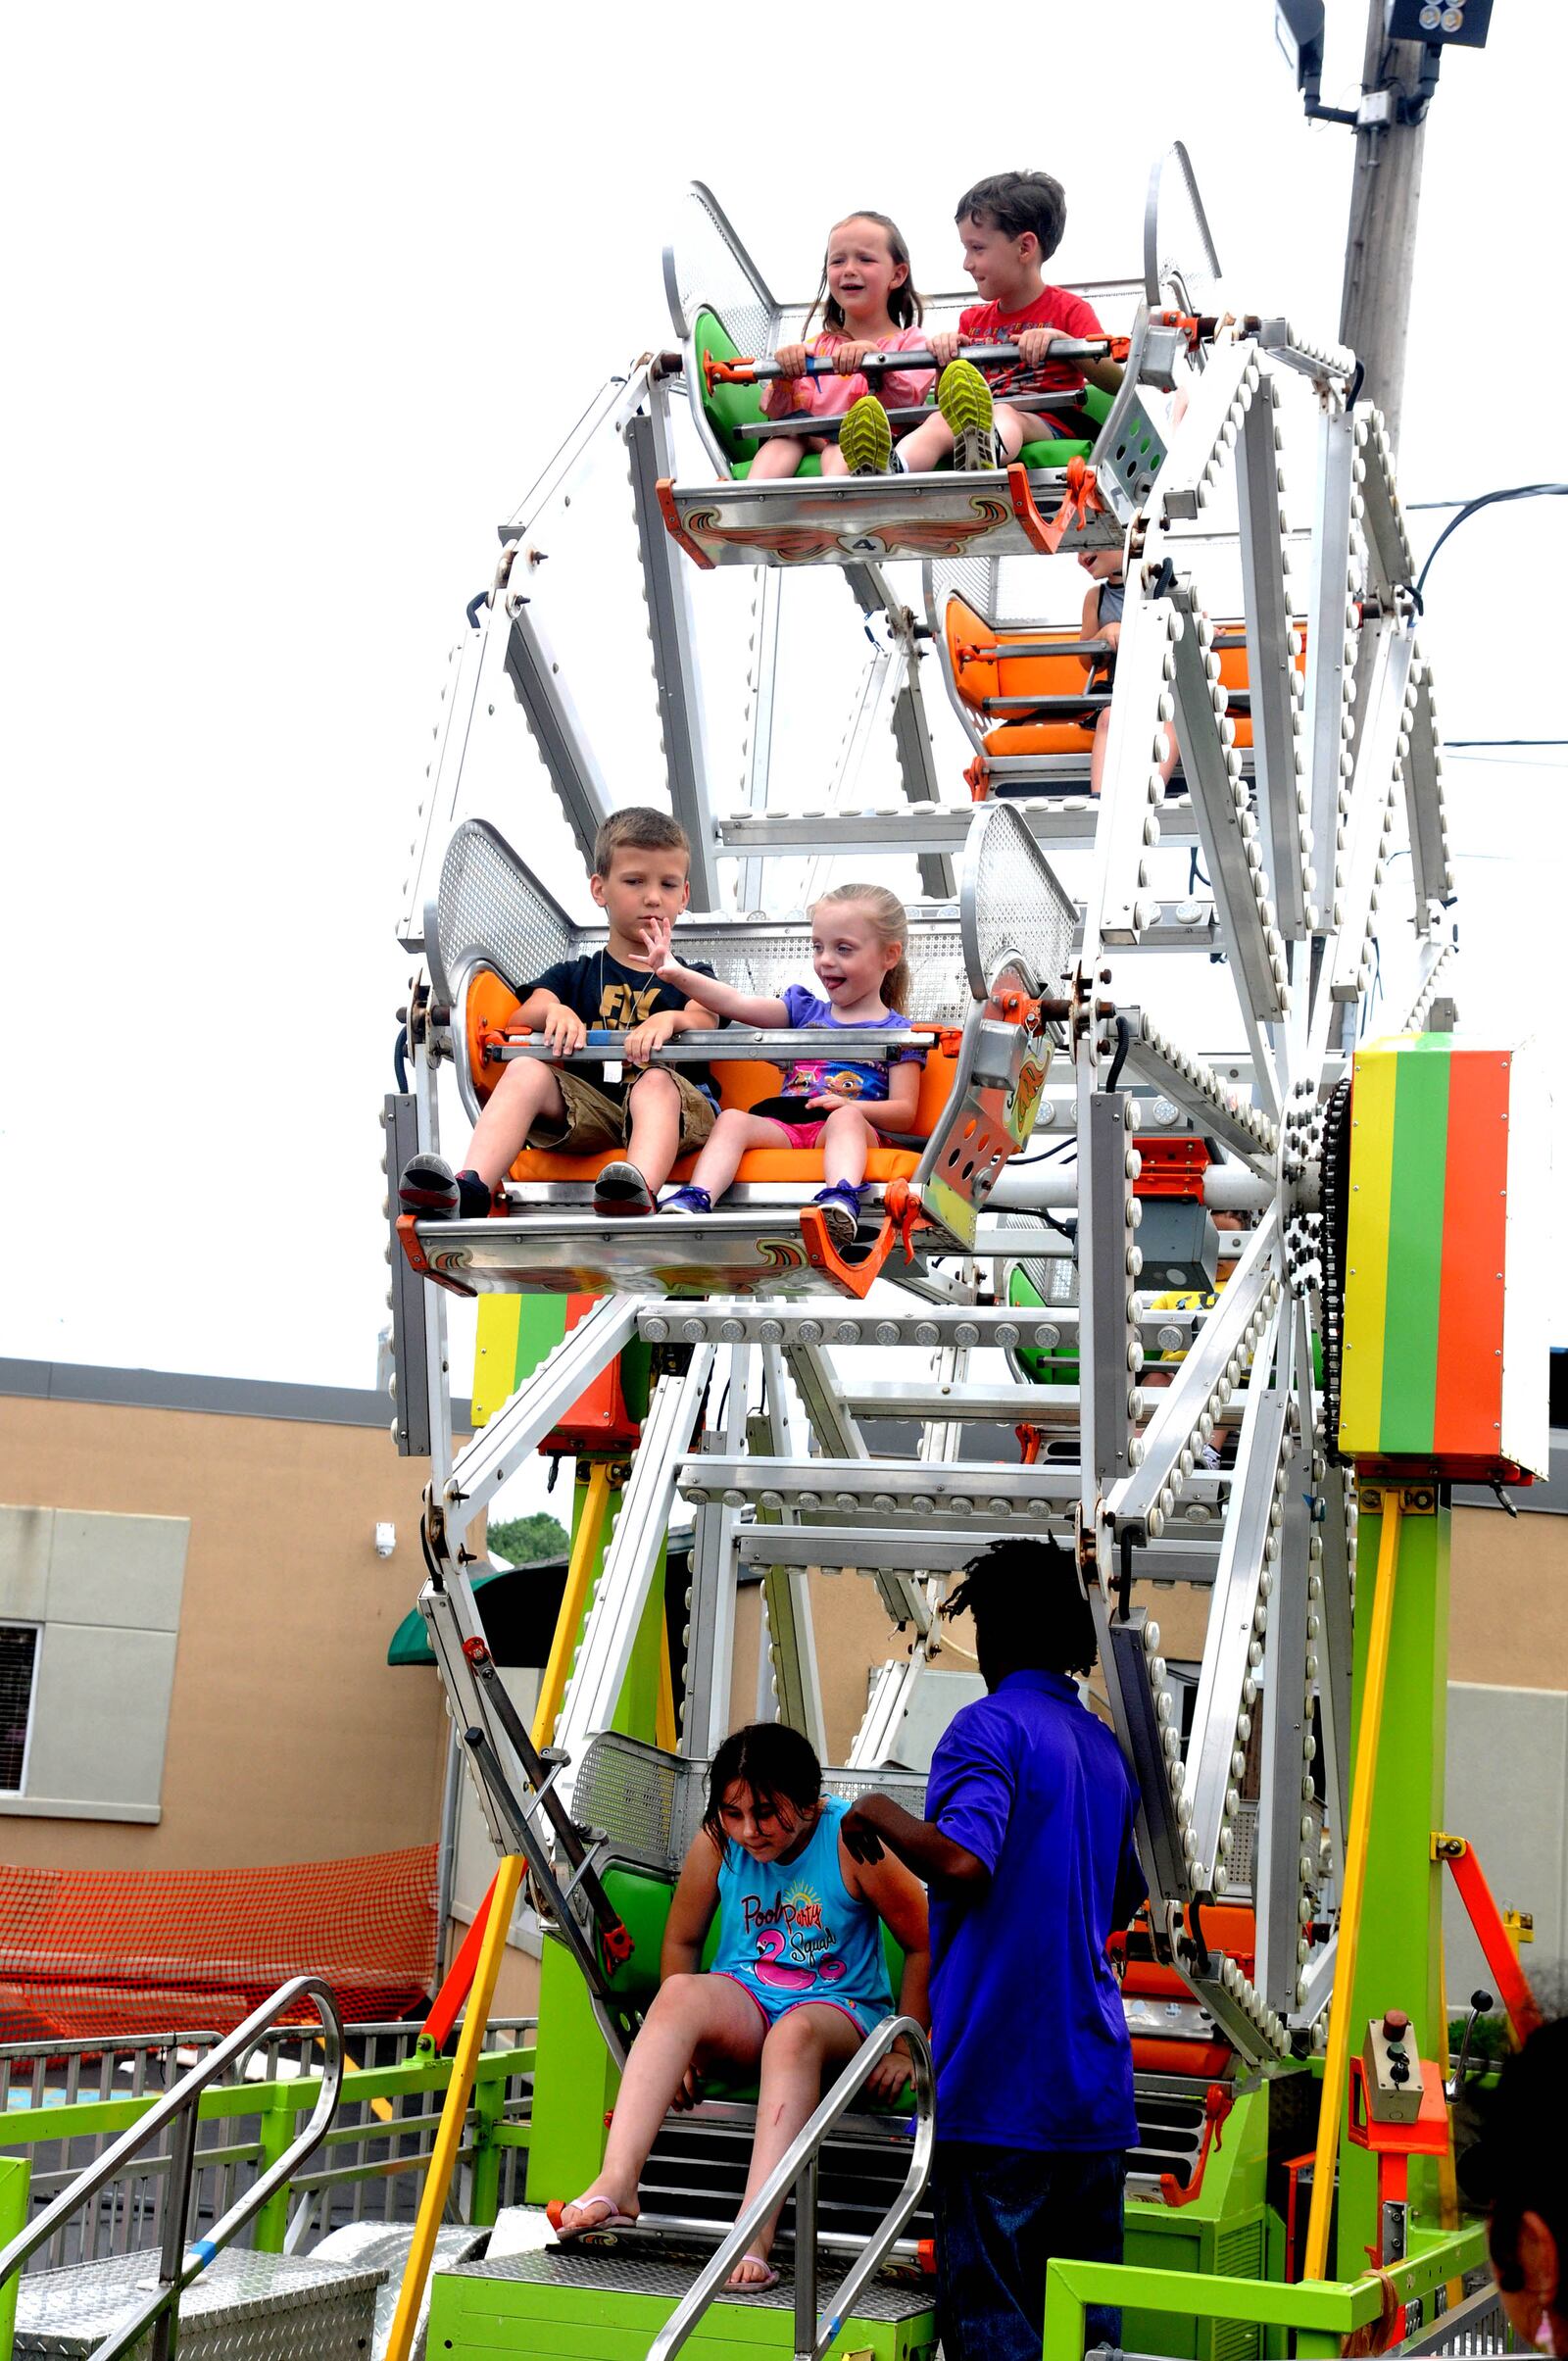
x,y
858,935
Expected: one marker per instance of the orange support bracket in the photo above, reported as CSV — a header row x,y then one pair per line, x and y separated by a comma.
x,y
901,1219
458,1982
414,1252
1394,2143
742,371
1082,495
1492,1932
1217,2104
670,510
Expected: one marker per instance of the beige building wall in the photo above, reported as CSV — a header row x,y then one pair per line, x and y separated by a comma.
x,y
290,1738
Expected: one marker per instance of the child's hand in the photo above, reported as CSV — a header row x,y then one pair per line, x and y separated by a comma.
x,y
1034,346
1111,633
827,1100
847,358
658,947
564,1030
890,2075
792,360
945,346
650,1035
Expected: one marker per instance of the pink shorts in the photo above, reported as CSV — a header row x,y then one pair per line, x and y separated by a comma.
x,y
801,1135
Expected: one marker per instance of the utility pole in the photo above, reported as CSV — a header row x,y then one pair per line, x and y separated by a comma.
x,y
1385,195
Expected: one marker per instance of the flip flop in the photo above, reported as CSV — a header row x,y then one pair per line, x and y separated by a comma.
x,y
754,2286
611,2219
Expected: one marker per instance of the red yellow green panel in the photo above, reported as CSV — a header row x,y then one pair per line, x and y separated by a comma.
x,y
1425,1256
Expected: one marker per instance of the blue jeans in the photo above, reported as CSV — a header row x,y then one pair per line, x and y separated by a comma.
x,y
1002,2214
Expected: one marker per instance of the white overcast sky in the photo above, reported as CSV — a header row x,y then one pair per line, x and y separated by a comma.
x,y
297,302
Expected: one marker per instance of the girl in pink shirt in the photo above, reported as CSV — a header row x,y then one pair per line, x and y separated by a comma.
x,y
868,305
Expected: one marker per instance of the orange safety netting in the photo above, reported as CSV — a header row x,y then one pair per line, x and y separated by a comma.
x,y
84,1952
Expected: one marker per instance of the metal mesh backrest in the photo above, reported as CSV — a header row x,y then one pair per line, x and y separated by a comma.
x,y
765,959
972,579
1015,906
491,912
704,263
650,1804
1003,592
707,264
1180,264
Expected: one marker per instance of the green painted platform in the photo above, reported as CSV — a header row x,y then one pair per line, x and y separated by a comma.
x,y
604,2307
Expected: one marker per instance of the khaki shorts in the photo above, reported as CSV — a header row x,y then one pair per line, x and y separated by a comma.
x,y
595,1120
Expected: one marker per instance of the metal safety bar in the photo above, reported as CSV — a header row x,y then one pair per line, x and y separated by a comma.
x,y
804,422
1004,651
178,2264
875,365
777,1047
798,2169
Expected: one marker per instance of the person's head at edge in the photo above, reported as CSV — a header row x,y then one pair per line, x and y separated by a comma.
x,y
1516,2170
1030,1613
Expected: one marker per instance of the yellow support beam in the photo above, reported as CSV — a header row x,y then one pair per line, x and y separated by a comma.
x,y
575,1599
449,2135
1363,1779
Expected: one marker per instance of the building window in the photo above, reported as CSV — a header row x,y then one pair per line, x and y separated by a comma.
x,y
19,1654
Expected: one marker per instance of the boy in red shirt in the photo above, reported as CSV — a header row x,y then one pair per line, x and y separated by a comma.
x,y
1009,226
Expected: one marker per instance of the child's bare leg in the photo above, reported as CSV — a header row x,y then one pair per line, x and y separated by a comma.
x,y
926,444
847,1140
798,2051
1096,760
527,1089
727,1143
781,454
1012,429
932,440
654,1141
694,2020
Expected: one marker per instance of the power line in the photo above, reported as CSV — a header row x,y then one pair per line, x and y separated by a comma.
x,y
1484,500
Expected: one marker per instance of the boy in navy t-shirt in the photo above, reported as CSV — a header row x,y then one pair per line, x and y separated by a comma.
x,y
1027,1847
642,860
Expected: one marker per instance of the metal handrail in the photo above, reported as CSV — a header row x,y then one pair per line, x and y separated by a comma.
x,y
796,2168
179,2264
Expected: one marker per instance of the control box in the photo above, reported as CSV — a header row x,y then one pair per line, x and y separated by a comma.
x,y
1393,2069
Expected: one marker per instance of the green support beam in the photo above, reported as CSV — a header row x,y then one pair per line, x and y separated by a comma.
x,y
15,2175
1320,2313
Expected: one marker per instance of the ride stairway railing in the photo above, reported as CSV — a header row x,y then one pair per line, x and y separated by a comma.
x,y
180,2261
797,2169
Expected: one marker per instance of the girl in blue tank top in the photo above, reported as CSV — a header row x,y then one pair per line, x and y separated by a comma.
x,y
798,1978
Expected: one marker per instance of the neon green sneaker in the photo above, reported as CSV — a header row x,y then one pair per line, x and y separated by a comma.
x,y
865,438
965,400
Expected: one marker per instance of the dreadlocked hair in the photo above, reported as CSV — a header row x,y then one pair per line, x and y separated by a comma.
x,y
1028,1606
891,920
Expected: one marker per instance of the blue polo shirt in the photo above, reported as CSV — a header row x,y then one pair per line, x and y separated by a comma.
x,y
1031,2045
